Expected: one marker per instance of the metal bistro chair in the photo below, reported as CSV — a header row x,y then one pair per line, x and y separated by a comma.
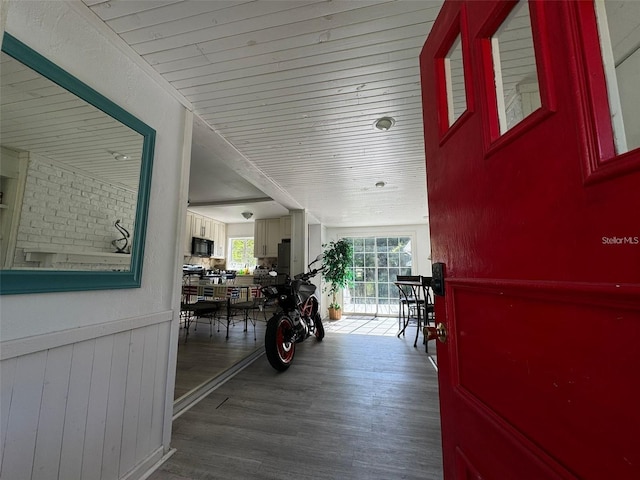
x,y
428,312
232,297
248,308
189,297
408,301
193,307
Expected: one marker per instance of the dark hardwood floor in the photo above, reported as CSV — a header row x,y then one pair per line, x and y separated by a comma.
x,y
206,353
350,407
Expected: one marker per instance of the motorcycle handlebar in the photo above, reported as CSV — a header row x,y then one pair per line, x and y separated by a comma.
x,y
308,275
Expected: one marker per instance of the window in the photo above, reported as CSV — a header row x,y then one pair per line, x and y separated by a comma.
x,y
377,261
455,84
620,46
514,67
455,96
241,254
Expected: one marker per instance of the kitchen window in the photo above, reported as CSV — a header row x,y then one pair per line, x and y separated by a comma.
x,y
241,254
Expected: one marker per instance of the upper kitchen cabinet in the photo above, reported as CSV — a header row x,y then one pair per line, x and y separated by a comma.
x,y
267,236
285,226
219,238
205,227
188,233
202,227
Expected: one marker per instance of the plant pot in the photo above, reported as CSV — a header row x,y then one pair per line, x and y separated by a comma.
x,y
335,313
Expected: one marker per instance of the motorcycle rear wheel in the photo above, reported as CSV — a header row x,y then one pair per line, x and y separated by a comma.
x,y
317,321
279,350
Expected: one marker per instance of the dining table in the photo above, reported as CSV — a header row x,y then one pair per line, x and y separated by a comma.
x,y
211,298
226,293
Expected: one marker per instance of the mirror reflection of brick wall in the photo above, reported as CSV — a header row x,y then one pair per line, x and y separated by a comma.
x,y
66,211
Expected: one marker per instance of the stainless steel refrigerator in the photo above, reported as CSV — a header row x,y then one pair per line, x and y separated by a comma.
x,y
284,258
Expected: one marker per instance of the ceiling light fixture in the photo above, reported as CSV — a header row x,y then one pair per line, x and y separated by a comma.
x,y
384,123
120,156
247,215
380,184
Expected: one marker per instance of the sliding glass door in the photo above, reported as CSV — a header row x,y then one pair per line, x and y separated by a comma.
x,y
376,263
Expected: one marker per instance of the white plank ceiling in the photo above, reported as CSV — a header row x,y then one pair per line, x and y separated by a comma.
x,y
39,116
287,93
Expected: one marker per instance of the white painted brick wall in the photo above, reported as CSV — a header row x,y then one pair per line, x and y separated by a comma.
x,y
69,211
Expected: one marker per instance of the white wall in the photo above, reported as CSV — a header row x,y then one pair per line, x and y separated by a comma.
x,y
315,241
87,376
240,229
55,30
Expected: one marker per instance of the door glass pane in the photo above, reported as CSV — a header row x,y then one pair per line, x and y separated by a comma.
x,y
370,244
374,271
370,260
383,275
515,71
620,45
454,77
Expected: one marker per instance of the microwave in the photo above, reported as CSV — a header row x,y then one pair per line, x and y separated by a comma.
x,y
201,247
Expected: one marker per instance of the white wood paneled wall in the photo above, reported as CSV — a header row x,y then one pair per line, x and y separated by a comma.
x,y
91,409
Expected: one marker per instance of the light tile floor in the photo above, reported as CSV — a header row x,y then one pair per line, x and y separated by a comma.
x,y
379,326
363,325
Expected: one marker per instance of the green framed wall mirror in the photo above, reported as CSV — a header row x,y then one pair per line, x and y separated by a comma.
x,y
75,176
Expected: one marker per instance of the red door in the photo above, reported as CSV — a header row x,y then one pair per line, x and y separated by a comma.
x,y
536,220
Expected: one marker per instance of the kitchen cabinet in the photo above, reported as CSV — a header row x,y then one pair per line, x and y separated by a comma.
x,y
204,227
267,236
285,226
219,231
188,233
259,238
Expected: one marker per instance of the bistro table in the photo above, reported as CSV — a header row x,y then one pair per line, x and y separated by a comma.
x,y
225,293
199,309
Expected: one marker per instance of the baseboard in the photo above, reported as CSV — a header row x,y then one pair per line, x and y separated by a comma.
x,y
145,468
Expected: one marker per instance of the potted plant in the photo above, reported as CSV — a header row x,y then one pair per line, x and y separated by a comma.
x,y
337,261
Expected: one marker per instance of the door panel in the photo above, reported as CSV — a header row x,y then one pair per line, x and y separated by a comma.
x,y
560,371
542,298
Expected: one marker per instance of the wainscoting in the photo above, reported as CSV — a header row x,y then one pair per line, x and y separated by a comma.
x,y
87,403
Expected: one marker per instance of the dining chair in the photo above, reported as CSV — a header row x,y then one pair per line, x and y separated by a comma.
x,y
193,308
428,311
232,296
408,300
189,296
248,308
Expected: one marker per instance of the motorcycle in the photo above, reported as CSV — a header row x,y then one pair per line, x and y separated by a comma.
x,y
297,317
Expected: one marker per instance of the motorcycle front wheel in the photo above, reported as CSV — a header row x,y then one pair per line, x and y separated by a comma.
x,y
277,342
317,321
